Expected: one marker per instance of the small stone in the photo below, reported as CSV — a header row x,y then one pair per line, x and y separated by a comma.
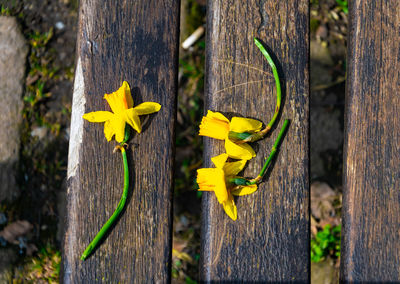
x,y
39,132
12,72
60,26
184,220
66,134
324,272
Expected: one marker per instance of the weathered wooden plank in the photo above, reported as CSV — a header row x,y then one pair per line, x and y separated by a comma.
x,y
136,41
270,239
371,193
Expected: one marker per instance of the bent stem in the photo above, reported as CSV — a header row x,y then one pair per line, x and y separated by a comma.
x,y
117,211
271,155
259,135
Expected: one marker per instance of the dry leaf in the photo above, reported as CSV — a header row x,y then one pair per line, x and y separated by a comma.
x,y
179,244
17,229
322,197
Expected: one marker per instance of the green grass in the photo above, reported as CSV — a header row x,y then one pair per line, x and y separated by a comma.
x,y
43,268
40,71
326,243
343,5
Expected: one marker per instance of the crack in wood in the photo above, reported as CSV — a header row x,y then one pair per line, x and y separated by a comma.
x,y
263,14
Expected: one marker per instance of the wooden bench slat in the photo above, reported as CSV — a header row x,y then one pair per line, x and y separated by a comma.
x,y
371,194
136,41
270,239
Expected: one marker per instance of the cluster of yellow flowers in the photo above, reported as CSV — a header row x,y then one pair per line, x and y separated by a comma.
x,y
223,179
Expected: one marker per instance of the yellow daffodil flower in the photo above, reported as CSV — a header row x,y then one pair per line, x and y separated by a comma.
x,y
123,112
219,180
216,125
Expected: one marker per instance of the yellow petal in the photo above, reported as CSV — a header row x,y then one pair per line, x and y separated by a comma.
x,y
213,179
98,116
216,115
115,104
132,118
219,161
220,188
147,108
203,179
127,94
241,124
214,125
244,190
239,151
230,208
118,126
232,169
121,99
108,130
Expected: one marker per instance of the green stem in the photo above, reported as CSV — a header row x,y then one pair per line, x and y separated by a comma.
x,y
116,213
277,82
272,154
127,134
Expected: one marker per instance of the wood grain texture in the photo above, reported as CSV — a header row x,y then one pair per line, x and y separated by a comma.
x,y
371,197
270,240
136,41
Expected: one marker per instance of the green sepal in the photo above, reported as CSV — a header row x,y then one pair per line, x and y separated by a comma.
x,y
239,181
127,134
236,136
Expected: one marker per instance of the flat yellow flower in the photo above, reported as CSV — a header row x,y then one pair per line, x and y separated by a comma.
x,y
123,112
218,180
216,125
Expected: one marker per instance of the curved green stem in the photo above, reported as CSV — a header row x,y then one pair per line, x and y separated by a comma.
x,y
259,135
271,155
116,213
